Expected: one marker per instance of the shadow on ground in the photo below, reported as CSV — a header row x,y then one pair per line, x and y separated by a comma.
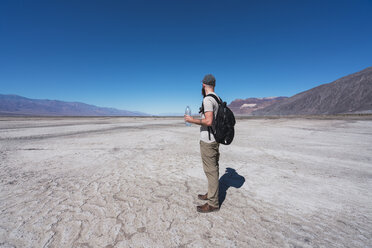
x,y
230,179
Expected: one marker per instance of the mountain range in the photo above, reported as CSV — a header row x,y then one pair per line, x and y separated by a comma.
x,y
347,95
18,105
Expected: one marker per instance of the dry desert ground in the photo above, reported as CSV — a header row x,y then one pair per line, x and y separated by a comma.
x,y
133,182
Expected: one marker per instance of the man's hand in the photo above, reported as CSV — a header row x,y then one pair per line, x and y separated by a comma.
x,y
189,119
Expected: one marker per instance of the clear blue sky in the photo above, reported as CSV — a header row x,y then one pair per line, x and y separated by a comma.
x,y
150,56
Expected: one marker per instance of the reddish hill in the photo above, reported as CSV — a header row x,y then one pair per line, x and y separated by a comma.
x,y
247,106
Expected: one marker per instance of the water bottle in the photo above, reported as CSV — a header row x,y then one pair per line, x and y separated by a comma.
x,y
188,112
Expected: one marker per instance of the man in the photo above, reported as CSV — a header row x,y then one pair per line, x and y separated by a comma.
x,y
209,148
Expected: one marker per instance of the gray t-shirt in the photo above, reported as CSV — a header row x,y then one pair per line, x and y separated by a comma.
x,y
210,104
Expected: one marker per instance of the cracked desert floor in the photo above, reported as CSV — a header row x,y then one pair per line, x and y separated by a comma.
x,y
133,182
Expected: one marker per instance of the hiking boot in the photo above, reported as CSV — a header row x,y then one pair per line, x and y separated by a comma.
x,y
206,208
203,197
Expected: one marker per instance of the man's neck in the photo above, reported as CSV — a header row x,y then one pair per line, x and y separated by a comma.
x,y
207,91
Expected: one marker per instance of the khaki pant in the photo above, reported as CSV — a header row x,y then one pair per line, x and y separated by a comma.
x,y
210,155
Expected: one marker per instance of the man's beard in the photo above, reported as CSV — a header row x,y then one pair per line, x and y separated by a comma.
x,y
203,92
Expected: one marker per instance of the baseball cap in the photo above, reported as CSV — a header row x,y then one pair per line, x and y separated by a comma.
x,y
209,79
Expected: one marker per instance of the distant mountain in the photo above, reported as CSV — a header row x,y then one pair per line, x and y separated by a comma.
x,y
247,106
18,105
349,94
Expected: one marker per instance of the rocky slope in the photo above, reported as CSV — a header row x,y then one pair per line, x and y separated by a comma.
x,y
349,94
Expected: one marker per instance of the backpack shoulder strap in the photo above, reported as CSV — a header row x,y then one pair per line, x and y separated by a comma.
x,y
218,100
201,109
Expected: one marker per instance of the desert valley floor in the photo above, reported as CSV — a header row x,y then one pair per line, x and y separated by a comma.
x,y
133,182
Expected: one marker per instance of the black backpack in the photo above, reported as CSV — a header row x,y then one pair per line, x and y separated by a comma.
x,y
223,125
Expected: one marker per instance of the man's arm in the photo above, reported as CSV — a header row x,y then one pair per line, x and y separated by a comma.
x,y
207,121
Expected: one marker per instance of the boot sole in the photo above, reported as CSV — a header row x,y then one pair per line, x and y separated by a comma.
x,y
209,211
